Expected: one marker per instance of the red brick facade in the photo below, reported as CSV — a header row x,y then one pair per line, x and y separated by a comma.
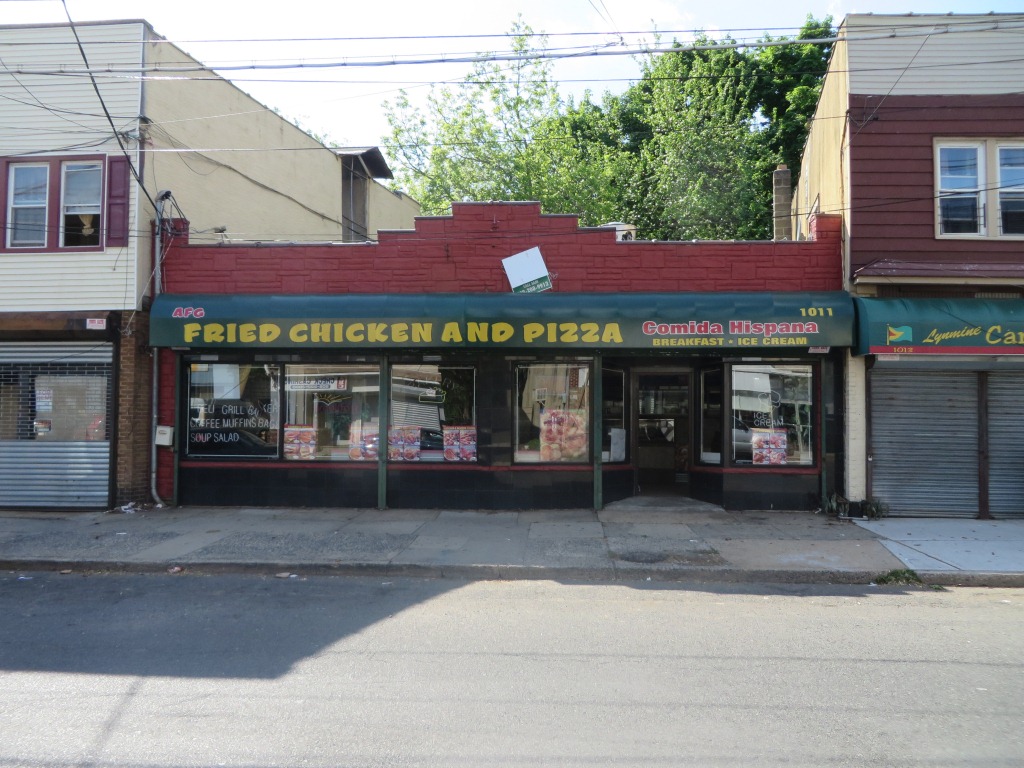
x,y
462,253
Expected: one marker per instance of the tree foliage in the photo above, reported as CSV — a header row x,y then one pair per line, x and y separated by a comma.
x,y
687,152
488,139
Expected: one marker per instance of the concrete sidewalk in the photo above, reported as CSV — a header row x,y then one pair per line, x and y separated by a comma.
x,y
671,539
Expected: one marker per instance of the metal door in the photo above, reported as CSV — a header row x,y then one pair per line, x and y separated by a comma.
x,y
1006,444
924,442
55,432
661,443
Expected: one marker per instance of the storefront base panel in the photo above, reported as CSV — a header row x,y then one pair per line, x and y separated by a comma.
x,y
617,484
490,489
756,490
267,486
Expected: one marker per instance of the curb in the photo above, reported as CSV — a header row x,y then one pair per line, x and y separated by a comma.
x,y
613,574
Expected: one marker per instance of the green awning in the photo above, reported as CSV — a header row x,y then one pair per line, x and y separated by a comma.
x,y
696,322
940,326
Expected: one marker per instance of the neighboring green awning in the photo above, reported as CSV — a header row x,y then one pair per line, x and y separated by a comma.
x,y
940,326
708,322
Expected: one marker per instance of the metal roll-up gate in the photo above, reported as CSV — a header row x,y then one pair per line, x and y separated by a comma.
x,y
1006,444
924,442
55,430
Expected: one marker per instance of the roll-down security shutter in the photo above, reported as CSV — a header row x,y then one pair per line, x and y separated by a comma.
x,y
924,442
1006,444
55,431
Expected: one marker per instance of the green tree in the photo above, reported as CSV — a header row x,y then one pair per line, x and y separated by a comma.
x,y
708,124
685,153
500,135
787,87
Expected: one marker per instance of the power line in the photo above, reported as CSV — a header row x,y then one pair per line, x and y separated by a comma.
x,y
405,38
99,96
884,24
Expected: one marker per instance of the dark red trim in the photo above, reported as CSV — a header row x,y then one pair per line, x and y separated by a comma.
x,y
937,351
774,469
55,179
281,464
118,198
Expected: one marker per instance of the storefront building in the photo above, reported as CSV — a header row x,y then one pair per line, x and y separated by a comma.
x,y
945,379
450,391
74,399
56,407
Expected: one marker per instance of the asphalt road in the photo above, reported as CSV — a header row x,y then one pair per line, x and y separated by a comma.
x,y
155,671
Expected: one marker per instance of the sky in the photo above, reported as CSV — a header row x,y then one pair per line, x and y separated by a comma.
x,y
344,104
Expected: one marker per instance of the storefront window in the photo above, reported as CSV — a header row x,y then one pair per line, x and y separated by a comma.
x,y
331,412
432,414
711,417
232,410
771,412
553,423
613,442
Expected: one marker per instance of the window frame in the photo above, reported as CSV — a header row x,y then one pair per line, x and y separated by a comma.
x,y
100,224
11,204
306,438
989,191
568,429
1001,189
220,420
458,437
977,191
761,435
54,229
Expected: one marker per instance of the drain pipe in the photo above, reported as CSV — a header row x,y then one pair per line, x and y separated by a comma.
x,y
158,257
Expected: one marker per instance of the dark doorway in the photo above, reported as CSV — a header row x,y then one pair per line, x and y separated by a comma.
x,y
662,431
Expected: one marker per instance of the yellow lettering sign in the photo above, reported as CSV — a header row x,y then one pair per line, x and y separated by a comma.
x,y
452,333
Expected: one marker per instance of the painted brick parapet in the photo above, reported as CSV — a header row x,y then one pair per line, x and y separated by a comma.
x,y
462,253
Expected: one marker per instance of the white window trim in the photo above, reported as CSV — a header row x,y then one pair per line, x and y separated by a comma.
x,y
1000,189
11,206
940,194
988,168
100,224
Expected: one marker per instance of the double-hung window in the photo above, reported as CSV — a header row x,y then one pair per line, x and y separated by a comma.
x,y
980,188
961,181
57,203
28,196
1011,190
82,189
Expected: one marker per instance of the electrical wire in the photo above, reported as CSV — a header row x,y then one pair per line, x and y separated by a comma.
x,y
99,96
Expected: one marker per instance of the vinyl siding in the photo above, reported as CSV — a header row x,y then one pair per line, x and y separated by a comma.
x,y
66,282
61,115
935,55
892,178
48,113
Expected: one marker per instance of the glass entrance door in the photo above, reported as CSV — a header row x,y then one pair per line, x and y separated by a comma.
x,y
662,430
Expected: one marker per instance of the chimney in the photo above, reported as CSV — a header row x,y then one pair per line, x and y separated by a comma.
x,y
782,200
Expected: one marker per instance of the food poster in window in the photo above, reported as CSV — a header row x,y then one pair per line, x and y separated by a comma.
x,y
459,443
404,444
563,435
769,446
365,441
299,441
